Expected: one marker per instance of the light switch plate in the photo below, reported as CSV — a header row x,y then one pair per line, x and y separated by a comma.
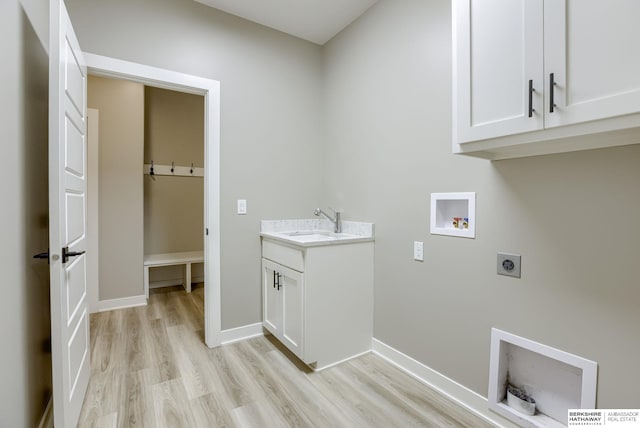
x,y
242,206
418,251
509,265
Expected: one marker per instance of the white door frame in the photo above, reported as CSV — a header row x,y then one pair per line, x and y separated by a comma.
x,y
151,76
93,213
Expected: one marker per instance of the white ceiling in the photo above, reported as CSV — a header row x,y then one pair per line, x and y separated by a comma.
x,y
314,20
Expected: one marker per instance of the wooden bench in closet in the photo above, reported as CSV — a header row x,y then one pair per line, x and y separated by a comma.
x,y
172,259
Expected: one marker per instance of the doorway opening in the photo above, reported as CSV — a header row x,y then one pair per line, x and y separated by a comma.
x,y
174,229
167,83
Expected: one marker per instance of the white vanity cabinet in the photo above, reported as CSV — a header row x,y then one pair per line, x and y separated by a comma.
x,y
318,299
544,76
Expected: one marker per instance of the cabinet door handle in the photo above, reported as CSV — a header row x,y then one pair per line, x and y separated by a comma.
x,y
552,85
531,91
279,279
274,278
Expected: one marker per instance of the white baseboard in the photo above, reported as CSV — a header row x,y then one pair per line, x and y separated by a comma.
x,y
125,302
241,333
165,283
47,417
174,281
451,389
328,366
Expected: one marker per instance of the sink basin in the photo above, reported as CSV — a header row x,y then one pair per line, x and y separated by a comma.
x,y
302,233
317,235
313,237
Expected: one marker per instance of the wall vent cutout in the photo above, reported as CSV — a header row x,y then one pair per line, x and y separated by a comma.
x,y
556,380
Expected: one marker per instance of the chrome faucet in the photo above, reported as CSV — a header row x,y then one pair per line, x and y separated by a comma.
x,y
337,221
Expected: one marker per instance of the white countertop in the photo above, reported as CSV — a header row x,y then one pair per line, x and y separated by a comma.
x,y
315,232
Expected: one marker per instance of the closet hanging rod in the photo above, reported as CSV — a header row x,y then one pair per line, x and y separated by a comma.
x,y
180,171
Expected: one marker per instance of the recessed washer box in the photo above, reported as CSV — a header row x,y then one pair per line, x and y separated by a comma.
x,y
556,380
453,214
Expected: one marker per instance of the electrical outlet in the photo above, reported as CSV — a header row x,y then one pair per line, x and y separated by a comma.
x,y
242,206
509,265
418,251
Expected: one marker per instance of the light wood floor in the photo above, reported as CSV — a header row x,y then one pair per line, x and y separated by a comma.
x,y
150,368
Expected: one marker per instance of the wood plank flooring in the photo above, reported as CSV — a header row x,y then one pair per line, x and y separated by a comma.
x,y
150,368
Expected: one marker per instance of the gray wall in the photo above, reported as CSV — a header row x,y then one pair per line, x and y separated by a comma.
x,y
25,360
572,217
271,128
173,206
120,205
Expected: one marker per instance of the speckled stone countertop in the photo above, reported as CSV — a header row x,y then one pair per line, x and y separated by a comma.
x,y
315,232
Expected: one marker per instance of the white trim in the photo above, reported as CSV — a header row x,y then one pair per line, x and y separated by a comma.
x,y
461,395
319,369
241,333
99,65
165,283
122,303
47,417
93,211
173,281
152,76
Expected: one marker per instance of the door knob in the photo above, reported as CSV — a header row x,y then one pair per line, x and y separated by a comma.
x,y
66,254
44,255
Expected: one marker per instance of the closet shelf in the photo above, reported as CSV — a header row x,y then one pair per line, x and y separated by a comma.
x,y
180,171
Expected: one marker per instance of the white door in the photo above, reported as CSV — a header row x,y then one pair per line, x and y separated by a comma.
x,y
272,298
283,310
498,60
292,310
67,222
591,47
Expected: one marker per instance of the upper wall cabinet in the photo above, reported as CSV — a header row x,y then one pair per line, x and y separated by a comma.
x,y
499,52
535,77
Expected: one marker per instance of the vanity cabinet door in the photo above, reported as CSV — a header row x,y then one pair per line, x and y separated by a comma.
x,y
271,298
293,310
283,305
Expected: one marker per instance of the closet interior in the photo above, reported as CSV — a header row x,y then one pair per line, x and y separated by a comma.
x,y
173,188
150,220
